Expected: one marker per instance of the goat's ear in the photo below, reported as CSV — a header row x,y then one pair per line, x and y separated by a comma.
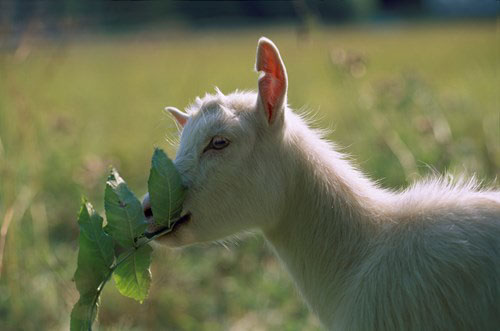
x,y
180,116
273,80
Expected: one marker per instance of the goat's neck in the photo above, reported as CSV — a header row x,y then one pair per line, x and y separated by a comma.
x,y
330,215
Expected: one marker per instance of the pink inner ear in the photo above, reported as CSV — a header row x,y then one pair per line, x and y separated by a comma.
x,y
181,117
182,120
272,84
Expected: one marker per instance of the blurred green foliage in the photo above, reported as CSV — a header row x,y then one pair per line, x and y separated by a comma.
x,y
404,99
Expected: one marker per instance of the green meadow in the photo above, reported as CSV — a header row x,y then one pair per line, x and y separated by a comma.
x,y
404,101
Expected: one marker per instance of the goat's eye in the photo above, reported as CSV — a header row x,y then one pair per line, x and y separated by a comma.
x,y
217,142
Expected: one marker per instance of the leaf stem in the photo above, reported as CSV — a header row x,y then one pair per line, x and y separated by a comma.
x,y
118,263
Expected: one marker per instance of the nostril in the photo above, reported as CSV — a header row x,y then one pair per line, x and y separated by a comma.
x,y
148,212
146,207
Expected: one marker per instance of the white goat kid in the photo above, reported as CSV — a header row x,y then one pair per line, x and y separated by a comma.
x,y
362,257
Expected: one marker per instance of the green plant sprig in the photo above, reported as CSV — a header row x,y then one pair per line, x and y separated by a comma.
x,y
128,254
126,225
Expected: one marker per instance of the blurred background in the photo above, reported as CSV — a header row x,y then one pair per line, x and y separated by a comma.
x,y
409,88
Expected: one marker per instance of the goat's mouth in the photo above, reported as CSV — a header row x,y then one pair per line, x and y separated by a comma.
x,y
157,231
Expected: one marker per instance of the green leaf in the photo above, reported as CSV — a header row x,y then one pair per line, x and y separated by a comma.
x,y
124,212
95,257
80,315
133,277
165,189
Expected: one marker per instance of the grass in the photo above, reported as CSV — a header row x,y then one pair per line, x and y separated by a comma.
x,y
405,101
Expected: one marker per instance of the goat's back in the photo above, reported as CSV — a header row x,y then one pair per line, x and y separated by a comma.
x,y
430,269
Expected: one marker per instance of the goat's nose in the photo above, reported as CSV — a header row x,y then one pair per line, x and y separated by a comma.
x,y
146,207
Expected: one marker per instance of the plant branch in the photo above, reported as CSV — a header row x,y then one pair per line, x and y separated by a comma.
x,y
118,263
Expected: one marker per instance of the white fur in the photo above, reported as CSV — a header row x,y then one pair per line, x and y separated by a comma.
x,y
363,258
